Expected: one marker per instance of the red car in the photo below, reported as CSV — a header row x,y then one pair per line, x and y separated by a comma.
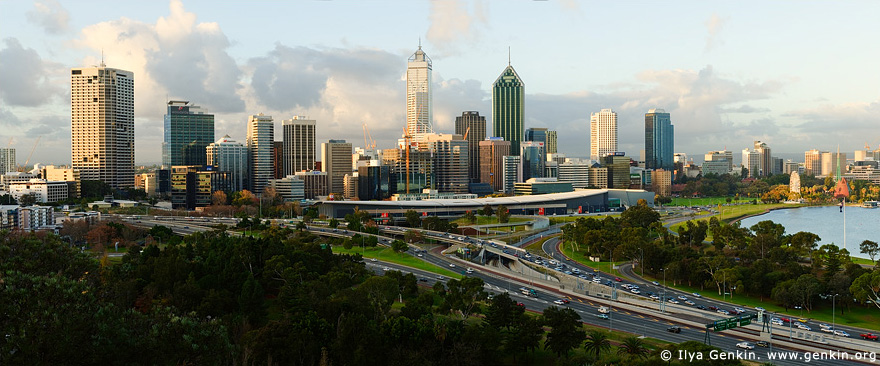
x,y
520,304
617,279
869,336
565,301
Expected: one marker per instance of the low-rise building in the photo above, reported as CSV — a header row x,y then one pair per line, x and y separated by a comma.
x,y
34,217
317,184
70,175
535,186
290,188
45,191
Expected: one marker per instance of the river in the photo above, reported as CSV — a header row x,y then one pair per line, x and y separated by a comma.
x,y
827,222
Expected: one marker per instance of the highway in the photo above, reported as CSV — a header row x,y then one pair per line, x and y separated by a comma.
x,y
643,322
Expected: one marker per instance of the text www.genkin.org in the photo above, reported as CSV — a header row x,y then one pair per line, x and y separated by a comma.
x,y
806,357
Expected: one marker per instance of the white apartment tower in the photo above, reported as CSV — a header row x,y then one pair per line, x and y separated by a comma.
x,y
102,124
260,136
7,160
603,133
299,144
419,115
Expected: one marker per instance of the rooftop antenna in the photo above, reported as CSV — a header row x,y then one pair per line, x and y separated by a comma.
x,y
508,55
420,42
102,58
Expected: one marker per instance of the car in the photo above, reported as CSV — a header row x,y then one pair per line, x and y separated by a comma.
x,y
520,304
672,301
441,278
696,295
722,311
762,344
655,283
682,297
802,320
617,279
648,293
823,325
760,309
701,307
674,329
635,291
423,279
597,280
691,303
451,265
602,316
713,308
745,345
559,302
827,330
841,333
470,270
803,326
420,255
778,322
869,336
787,320
583,277
386,269
739,310
654,297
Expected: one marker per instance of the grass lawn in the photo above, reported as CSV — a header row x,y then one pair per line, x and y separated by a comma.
x,y
705,201
863,317
488,220
535,248
386,254
604,267
864,261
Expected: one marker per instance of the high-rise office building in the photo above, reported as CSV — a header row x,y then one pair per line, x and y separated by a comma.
x,y
578,174
537,135
512,173
7,160
813,162
260,141
533,159
102,124
227,155
765,166
449,161
473,126
618,170
603,133
374,183
832,160
187,134
278,159
751,160
336,160
508,108
299,144
419,114
551,143
492,153
721,156
659,140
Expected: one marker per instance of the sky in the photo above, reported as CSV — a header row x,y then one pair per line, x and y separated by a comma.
x,y
796,75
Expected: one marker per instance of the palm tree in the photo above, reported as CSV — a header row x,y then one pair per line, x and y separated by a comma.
x,y
633,347
597,341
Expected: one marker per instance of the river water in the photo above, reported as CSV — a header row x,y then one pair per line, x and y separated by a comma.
x,y
827,222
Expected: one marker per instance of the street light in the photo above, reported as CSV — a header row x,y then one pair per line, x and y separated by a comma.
x,y
833,298
642,262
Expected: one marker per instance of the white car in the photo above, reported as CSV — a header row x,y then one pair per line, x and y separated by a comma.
x,y
745,345
696,294
823,325
373,260
559,302
655,297
722,311
760,309
655,283
597,279
451,265
827,330
841,333
739,310
672,301
778,322
803,326
635,291
691,303
682,297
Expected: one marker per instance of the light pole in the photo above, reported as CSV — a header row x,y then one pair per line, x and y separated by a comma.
x,y
663,297
611,309
642,262
833,298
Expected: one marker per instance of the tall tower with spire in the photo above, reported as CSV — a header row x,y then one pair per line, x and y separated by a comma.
x,y
508,107
419,114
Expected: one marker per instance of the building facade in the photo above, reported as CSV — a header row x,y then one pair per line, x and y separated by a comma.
x,y
618,170
375,183
551,142
70,175
299,144
751,160
534,159
227,155
45,191
193,186
336,160
813,162
508,108
315,183
449,161
419,113
290,188
765,160
492,152
472,126
260,141
512,173
659,140
577,174
7,160
187,133
661,182
102,125
603,133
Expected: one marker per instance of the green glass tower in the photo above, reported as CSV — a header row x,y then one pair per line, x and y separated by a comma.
x,y
187,134
508,108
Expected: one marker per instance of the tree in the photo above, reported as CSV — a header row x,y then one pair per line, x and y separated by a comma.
x,y
487,210
871,248
334,223
413,236
503,312
27,199
867,287
399,246
412,218
470,216
633,347
463,295
503,214
245,198
640,216
597,342
218,198
526,334
567,332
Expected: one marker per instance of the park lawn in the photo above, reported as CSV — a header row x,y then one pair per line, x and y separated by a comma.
x,y
863,317
535,248
604,267
705,201
386,254
863,261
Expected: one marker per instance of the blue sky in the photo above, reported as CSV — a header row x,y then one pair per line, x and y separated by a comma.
x,y
797,75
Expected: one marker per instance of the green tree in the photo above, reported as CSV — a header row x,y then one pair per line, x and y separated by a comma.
x,y
464,295
633,347
503,214
470,216
597,342
27,199
251,301
399,246
413,236
334,223
503,312
867,287
487,210
870,248
566,332
525,336
640,216
412,218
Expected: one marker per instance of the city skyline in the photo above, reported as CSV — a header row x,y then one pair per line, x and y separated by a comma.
x,y
720,82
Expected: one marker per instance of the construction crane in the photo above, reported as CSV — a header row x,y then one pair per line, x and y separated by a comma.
x,y
466,132
31,154
406,139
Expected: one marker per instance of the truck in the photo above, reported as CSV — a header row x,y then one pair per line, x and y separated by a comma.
x,y
869,336
604,310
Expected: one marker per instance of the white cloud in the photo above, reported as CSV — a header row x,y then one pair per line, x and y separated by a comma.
x,y
454,27
26,77
49,15
714,26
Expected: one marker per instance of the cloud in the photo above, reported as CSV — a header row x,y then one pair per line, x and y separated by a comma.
x,y
453,27
50,15
848,124
743,109
714,26
26,77
174,58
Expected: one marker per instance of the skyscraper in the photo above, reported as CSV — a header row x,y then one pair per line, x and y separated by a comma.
x,y
187,133
659,140
551,142
492,153
533,159
472,125
449,161
765,166
419,115
299,144
260,138
537,135
603,133
102,125
336,162
813,162
508,108
7,160
751,160
230,156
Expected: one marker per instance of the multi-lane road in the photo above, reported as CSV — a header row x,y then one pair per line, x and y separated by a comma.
x,y
642,322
